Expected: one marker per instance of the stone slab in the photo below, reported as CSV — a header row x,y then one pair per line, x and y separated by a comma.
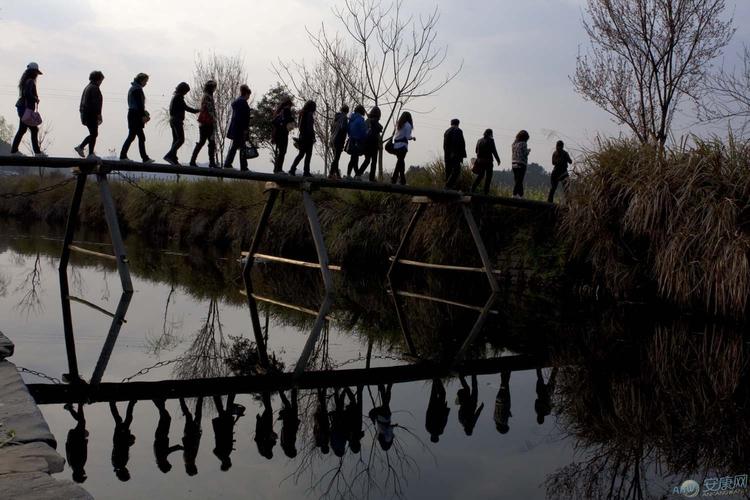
x,y
6,347
40,486
18,411
31,457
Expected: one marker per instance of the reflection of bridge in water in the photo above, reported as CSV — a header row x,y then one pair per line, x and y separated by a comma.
x,y
275,184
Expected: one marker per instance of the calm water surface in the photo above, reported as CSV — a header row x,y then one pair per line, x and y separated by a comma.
x,y
183,320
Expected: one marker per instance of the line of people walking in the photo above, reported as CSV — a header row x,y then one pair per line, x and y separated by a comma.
x,y
359,134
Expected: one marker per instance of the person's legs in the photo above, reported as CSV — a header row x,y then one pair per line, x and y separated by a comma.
x,y
518,173
401,165
522,174
488,178
230,155
126,145
553,187
477,181
93,134
243,157
362,168
353,164
296,161
452,170
282,143
203,136
22,128
334,171
35,139
308,157
142,144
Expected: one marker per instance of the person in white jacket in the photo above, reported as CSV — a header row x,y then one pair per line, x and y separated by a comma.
x,y
404,126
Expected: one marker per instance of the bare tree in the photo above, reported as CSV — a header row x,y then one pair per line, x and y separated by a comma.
x,y
728,93
229,73
6,130
397,55
325,85
646,55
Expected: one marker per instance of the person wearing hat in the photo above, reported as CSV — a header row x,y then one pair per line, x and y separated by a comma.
x,y
91,113
177,109
454,148
28,99
137,118
485,150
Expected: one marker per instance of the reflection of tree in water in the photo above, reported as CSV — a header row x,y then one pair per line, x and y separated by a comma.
x,y
4,283
364,470
168,339
674,403
31,286
205,357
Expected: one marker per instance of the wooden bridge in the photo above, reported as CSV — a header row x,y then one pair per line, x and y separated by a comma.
x,y
423,198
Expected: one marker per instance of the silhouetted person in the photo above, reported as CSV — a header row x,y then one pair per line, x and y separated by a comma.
x,y
486,151
372,144
137,118
401,138
191,435
91,113
357,135
223,424
77,444
339,129
543,403
122,440
306,139
265,437
289,416
520,162
467,398
321,424
162,450
206,126
353,415
381,417
239,127
454,149
560,161
338,423
177,110
28,100
283,120
502,404
437,411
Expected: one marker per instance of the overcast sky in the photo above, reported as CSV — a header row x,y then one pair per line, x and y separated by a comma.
x,y
517,57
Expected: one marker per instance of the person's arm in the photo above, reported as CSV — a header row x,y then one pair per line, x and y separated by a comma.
x,y
140,101
189,109
98,102
494,153
568,158
461,144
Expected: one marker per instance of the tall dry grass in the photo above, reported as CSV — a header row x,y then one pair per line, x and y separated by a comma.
x,y
674,223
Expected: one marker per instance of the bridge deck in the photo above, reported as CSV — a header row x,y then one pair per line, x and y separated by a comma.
x,y
282,180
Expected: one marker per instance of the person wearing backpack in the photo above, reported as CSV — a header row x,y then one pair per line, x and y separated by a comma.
x,y
372,144
357,132
27,100
560,161
454,148
137,118
338,139
306,137
206,126
91,113
520,160
177,109
401,139
283,120
485,150
239,126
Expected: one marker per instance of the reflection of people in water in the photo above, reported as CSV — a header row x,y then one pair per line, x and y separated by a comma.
x,y
437,411
502,404
223,426
122,440
321,425
467,398
76,446
191,435
338,423
353,416
381,417
289,416
543,403
265,437
162,450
